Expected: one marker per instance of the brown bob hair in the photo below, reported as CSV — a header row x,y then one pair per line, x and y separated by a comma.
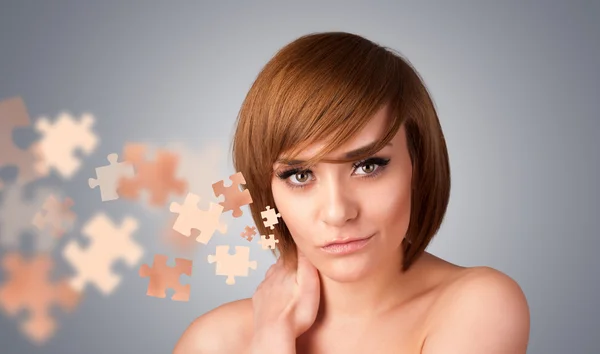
x,y
324,87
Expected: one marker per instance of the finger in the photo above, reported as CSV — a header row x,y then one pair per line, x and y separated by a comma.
x,y
270,270
305,270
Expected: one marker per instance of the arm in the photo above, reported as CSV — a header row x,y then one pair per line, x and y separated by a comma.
x,y
274,341
285,305
222,330
191,341
483,312
200,338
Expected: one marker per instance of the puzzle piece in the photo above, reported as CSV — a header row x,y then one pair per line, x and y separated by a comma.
x,y
108,243
29,288
268,242
270,216
158,176
184,245
13,115
249,232
56,217
60,141
163,277
234,197
200,167
109,176
191,217
17,215
232,266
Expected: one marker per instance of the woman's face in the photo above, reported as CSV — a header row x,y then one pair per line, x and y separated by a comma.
x,y
367,200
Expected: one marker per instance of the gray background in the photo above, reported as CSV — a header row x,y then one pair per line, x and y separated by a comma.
x,y
516,84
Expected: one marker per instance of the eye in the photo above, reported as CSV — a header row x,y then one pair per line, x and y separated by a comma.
x,y
300,175
371,167
368,168
302,179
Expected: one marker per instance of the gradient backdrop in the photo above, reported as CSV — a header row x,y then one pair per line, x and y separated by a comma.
x,y
517,86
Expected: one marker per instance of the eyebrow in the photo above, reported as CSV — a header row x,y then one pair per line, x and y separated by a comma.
x,y
348,155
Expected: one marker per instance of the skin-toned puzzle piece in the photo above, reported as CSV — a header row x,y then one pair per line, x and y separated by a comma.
x,y
234,196
199,166
270,216
13,115
184,245
29,288
17,214
232,266
163,277
191,217
108,244
108,177
62,139
55,217
268,242
249,233
158,177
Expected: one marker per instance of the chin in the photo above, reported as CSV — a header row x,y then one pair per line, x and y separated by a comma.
x,y
348,269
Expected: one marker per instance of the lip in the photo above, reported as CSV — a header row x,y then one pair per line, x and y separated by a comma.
x,y
342,241
347,246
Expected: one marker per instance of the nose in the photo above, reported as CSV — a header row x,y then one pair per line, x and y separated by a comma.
x,y
336,203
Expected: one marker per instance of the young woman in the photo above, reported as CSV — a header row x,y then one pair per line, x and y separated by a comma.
x,y
340,135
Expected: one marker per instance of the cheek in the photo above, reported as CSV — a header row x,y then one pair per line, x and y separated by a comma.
x,y
294,211
389,205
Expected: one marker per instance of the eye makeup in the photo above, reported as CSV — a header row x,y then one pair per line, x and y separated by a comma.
x,y
380,162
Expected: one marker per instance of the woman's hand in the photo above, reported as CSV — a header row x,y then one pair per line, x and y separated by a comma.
x,y
285,304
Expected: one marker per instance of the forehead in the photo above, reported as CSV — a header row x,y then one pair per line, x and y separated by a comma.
x,y
371,132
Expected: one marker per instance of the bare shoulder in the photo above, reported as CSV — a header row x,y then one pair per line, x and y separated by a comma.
x,y
480,310
226,329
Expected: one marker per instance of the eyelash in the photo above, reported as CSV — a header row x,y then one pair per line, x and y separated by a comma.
x,y
380,162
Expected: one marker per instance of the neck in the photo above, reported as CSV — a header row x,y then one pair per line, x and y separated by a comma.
x,y
372,294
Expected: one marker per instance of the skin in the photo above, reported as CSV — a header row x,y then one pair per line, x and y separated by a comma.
x,y
361,302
